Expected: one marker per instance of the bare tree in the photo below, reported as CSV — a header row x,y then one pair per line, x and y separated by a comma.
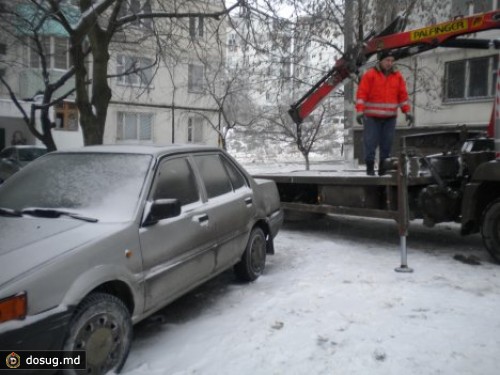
x,y
21,28
306,136
92,26
229,88
285,55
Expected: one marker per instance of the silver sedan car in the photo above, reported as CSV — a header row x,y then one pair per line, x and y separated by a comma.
x,y
96,239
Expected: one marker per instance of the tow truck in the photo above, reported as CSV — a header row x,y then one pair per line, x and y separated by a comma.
x,y
460,183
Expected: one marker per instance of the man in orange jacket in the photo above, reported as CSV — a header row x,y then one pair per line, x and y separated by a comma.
x,y
381,91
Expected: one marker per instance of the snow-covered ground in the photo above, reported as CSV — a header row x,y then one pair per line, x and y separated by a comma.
x,y
330,302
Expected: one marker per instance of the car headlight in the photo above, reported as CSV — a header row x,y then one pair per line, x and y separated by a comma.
x,y
14,307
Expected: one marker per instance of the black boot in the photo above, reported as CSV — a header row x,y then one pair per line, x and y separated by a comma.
x,y
370,168
381,168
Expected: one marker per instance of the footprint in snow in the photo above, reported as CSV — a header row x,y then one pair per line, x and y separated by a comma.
x,y
277,325
379,355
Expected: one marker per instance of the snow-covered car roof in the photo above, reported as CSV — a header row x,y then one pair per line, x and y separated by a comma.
x,y
26,147
154,150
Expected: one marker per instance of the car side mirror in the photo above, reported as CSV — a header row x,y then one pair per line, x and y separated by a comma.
x,y
162,209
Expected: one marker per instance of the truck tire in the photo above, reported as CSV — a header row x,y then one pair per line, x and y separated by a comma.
x,y
490,229
103,328
253,260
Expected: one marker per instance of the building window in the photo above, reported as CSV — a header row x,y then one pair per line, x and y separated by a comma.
x,y
195,78
134,71
66,116
470,79
286,69
133,126
61,55
195,130
469,7
196,27
54,50
131,7
35,55
231,43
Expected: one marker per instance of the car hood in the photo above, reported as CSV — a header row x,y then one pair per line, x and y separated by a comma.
x,y
28,243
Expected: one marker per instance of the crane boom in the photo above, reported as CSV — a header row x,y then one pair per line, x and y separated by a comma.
x,y
403,44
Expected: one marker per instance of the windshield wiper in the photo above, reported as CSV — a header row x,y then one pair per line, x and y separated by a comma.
x,y
54,214
10,212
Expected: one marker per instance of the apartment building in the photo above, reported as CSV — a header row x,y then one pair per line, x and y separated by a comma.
x,y
166,98
460,82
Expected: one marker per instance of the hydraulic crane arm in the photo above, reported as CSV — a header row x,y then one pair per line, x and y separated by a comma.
x,y
403,44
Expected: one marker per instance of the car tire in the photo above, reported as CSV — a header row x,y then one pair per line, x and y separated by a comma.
x,y
490,229
102,327
253,261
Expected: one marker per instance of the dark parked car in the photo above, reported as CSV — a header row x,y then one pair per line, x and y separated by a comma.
x,y
96,239
13,158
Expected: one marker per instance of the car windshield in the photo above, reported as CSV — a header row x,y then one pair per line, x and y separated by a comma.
x,y
98,185
30,154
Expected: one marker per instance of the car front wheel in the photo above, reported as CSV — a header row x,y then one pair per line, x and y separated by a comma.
x,y
102,327
253,261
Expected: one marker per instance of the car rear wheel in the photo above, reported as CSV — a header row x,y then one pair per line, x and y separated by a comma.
x,y
490,229
253,261
102,327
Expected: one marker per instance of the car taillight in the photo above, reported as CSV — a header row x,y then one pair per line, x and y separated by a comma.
x,y
14,307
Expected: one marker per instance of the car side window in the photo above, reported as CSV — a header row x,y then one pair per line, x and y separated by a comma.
x,y
236,177
7,153
177,180
213,174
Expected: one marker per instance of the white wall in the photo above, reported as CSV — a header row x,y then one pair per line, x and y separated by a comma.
x,y
473,112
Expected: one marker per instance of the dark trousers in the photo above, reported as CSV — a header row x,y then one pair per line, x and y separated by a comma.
x,y
378,132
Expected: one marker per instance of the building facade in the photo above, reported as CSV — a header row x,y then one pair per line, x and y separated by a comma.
x,y
159,74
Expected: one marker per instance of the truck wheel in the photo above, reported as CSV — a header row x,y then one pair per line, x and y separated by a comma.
x,y
253,261
103,328
490,229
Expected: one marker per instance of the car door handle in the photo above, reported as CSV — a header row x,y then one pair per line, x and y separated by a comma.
x,y
202,218
248,200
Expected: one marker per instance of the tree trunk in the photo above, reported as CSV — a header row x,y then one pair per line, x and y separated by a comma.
x,y
101,92
93,110
306,157
47,138
46,124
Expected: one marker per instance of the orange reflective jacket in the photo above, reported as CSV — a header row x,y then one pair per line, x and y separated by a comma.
x,y
380,95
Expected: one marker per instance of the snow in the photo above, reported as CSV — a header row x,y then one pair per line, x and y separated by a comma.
x,y
330,302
